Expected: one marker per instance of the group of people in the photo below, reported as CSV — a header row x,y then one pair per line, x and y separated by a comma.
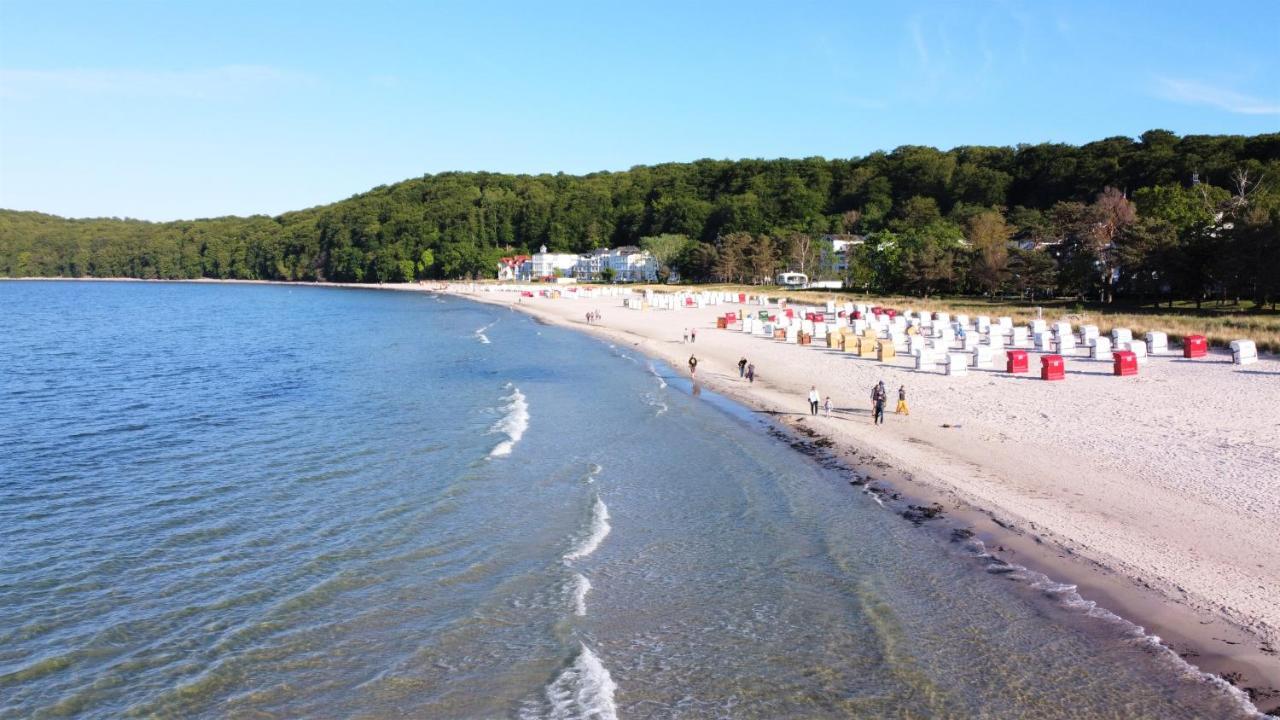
x,y
690,335
814,398
879,394
594,317
879,398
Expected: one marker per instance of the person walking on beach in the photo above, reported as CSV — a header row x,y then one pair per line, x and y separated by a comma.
x,y
814,399
742,367
693,335
686,336
693,365
751,373
902,402
878,399
826,406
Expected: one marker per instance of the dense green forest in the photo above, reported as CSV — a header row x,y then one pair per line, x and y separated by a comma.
x,y
1155,219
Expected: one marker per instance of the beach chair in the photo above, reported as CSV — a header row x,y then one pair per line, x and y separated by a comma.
x,y
1243,352
1157,343
1100,348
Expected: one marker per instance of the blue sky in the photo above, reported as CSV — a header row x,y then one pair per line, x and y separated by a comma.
x,y
166,110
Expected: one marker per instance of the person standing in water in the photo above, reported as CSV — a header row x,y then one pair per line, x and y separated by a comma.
x,y
902,402
814,399
742,367
693,365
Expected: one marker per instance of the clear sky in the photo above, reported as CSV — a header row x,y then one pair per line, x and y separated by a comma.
x,y
165,110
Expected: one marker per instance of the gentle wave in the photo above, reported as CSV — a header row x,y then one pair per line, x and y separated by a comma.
x,y
660,407
593,472
479,334
581,586
1069,597
584,690
599,530
654,372
514,423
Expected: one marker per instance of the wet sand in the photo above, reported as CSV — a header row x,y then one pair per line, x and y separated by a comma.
x,y
1156,495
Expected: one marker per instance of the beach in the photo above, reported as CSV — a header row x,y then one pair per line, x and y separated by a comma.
x,y
1156,494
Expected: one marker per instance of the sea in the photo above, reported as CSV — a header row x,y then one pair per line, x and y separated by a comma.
x,y
255,501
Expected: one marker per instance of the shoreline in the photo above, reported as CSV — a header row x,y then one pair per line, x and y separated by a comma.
x,y
1210,639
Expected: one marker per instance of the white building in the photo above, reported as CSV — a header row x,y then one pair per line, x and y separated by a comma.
x,y
631,264
547,265
513,268
628,263
590,264
835,251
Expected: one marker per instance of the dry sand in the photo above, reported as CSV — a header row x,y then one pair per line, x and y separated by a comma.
x,y
1169,480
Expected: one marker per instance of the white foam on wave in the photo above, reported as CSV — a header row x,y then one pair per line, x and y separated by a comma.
x,y
480,332
654,371
660,407
513,423
599,531
874,495
1068,596
584,690
593,472
581,586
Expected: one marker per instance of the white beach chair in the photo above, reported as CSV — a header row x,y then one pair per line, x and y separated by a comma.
x,y
958,363
1244,352
982,356
1157,343
1139,350
1100,348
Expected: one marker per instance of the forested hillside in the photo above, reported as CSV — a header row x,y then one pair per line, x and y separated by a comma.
x,y
1157,218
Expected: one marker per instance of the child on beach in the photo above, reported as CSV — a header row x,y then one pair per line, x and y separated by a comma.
x,y
826,406
902,402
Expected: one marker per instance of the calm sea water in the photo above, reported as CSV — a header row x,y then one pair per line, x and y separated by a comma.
x,y
250,501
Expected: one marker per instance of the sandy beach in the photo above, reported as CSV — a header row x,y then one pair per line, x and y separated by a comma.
x,y
1156,494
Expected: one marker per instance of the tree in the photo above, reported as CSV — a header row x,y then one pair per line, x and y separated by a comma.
x,y
914,204
1032,272
763,255
1110,213
426,260
665,249
989,237
803,251
607,274
732,257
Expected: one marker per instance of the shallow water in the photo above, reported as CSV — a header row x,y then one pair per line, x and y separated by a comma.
x,y
249,501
